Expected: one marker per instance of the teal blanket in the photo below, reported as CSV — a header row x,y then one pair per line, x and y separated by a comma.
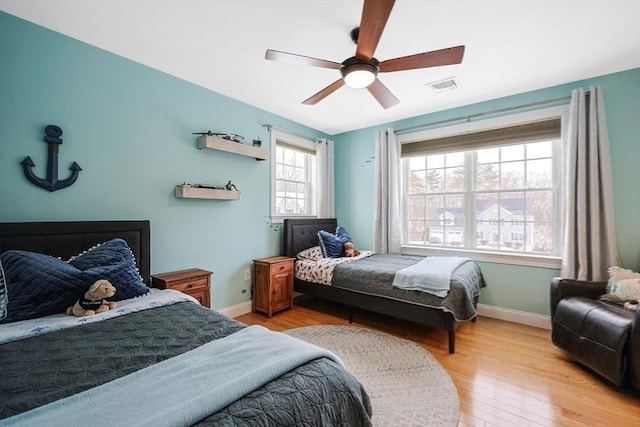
x,y
184,389
432,275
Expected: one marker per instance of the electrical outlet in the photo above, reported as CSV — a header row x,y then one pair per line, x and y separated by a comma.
x,y
247,274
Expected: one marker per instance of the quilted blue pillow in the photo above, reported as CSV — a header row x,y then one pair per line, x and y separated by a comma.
x,y
39,285
114,261
330,245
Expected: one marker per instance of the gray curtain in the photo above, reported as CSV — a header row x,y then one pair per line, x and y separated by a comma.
x,y
589,245
386,192
325,179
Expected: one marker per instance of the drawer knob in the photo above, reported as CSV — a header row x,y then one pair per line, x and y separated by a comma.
x,y
190,285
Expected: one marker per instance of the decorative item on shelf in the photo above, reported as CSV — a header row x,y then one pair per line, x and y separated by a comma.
x,y
214,187
230,186
51,182
257,143
234,137
228,136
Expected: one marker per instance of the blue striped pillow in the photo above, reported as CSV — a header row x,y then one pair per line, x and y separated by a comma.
x,y
330,245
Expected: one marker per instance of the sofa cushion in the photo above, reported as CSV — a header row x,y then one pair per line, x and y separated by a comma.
x,y
595,320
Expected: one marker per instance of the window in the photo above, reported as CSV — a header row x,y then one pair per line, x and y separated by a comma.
x,y
492,191
293,176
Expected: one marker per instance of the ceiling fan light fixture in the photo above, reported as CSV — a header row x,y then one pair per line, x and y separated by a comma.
x,y
361,71
359,76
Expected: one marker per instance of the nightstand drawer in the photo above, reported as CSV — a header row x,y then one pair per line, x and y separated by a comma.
x,y
282,267
190,285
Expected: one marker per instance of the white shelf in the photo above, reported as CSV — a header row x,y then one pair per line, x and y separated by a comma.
x,y
185,192
216,143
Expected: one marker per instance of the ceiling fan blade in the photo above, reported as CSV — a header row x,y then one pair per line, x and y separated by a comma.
x,y
292,58
313,100
382,94
436,58
374,17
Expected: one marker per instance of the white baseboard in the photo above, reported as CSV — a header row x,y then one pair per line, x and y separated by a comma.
x,y
242,308
516,316
236,310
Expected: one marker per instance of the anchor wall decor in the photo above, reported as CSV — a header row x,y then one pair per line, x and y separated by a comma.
x,y
51,183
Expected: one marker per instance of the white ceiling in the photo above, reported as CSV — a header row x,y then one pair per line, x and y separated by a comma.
x,y
511,47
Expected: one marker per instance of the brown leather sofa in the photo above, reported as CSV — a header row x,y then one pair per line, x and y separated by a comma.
x,y
603,336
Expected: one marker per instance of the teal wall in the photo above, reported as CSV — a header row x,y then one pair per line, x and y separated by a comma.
x,y
129,127
509,286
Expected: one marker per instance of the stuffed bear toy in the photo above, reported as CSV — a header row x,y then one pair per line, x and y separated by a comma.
x,y
94,300
350,250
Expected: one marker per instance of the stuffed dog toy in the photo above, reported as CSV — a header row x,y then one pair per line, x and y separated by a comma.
x,y
94,300
350,250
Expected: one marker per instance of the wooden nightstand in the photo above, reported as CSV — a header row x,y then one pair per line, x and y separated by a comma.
x,y
194,282
273,284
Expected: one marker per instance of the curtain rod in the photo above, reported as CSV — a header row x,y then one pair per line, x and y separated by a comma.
x,y
473,116
269,127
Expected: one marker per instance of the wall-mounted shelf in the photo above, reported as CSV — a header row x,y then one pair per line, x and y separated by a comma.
x,y
187,192
216,143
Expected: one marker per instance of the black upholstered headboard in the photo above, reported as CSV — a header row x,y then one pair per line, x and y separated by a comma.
x,y
301,234
66,239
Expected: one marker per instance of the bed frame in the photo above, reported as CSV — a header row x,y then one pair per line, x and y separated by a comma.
x,y
300,234
66,239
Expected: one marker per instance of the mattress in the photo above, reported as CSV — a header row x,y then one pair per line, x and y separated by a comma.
x,y
373,274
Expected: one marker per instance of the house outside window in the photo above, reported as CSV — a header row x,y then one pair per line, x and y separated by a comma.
x,y
492,191
293,176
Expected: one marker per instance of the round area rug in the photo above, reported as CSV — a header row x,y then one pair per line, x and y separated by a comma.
x,y
406,384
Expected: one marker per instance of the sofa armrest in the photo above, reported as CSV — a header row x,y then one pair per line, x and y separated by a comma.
x,y
561,288
634,350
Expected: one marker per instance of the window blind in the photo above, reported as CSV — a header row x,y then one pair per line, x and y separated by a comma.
x,y
524,132
311,149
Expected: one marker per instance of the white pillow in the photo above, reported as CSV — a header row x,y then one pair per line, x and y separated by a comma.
x,y
618,273
623,283
314,254
627,289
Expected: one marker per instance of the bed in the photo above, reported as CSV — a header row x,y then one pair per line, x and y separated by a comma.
x,y
132,364
360,289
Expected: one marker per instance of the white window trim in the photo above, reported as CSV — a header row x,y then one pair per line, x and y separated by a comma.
x,y
543,261
295,140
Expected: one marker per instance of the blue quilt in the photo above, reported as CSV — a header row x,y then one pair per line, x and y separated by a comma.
x,y
206,380
431,275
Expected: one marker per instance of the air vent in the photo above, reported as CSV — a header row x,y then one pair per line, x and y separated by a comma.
x,y
445,85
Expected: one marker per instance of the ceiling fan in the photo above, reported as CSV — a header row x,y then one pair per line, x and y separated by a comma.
x,y
362,70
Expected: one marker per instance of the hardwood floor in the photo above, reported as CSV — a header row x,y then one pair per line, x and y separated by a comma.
x,y
506,374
